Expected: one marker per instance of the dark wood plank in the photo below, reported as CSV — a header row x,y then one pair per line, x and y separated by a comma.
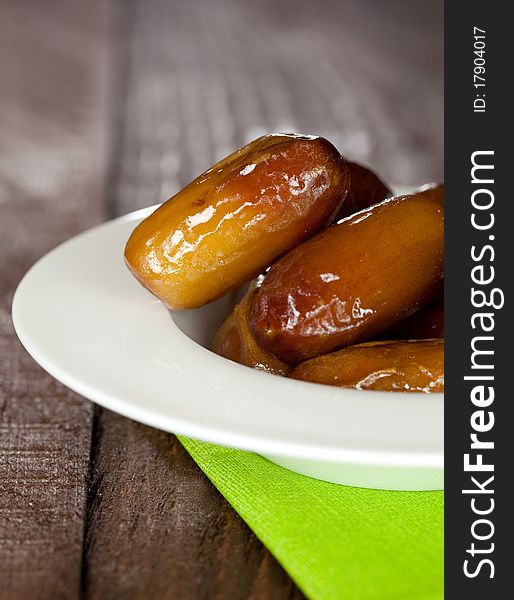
x,y
206,77
202,79
55,116
157,528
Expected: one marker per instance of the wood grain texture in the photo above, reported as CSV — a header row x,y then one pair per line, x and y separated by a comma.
x,y
180,84
157,528
206,77
54,117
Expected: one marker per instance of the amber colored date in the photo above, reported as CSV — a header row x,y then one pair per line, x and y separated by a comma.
x,y
409,366
366,189
235,341
353,281
229,224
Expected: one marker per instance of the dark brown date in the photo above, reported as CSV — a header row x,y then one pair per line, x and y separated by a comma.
x,y
427,322
366,189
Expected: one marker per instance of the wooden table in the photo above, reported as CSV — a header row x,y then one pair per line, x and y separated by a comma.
x,y
110,105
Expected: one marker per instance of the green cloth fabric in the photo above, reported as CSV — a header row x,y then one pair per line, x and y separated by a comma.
x,y
336,542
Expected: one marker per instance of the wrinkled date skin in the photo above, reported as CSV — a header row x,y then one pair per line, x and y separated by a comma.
x,y
409,366
235,341
366,189
229,224
353,281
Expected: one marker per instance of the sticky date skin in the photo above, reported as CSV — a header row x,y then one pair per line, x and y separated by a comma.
x,y
394,366
229,224
235,341
353,281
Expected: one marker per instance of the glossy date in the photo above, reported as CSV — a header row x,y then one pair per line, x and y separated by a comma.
x,y
234,220
353,281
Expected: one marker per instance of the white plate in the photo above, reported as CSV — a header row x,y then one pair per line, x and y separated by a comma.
x,y
86,320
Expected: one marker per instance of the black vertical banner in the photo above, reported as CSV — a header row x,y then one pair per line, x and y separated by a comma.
x,y
479,381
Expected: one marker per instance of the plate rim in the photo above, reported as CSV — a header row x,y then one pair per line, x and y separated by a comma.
x,y
423,459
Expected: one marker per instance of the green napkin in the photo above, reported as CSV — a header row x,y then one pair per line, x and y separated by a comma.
x,y
336,542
